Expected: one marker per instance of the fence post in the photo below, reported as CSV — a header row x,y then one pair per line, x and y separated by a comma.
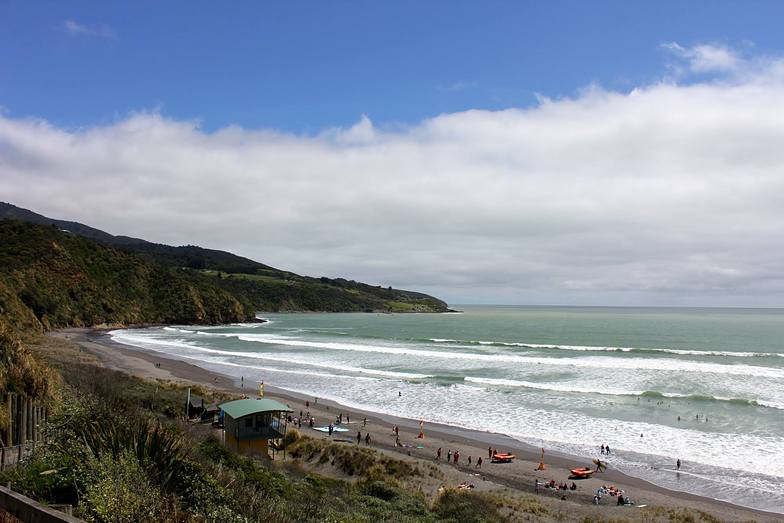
x,y
9,402
30,425
22,421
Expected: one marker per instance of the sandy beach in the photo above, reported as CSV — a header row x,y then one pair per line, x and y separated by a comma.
x,y
519,475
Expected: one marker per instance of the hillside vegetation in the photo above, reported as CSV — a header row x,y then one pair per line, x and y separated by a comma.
x,y
255,285
50,279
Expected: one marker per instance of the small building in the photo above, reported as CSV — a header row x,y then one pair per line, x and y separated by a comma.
x,y
249,424
194,406
210,413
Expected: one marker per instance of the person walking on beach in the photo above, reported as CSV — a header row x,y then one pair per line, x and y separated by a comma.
x,y
438,454
397,431
678,464
449,455
489,453
331,428
457,456
364,422
367,439
479,462
359,437
469,461
536,486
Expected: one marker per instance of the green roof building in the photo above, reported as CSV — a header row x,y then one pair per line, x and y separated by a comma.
x,y
249,424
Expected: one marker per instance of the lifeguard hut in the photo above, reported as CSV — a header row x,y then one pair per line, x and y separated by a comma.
x,y
249,424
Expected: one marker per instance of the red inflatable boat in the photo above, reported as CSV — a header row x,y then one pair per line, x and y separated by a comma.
x,y
582,472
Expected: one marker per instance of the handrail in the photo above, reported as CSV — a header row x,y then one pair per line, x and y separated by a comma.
x,y
30,511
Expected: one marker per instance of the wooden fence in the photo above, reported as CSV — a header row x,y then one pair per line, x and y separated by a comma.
x,y
26,420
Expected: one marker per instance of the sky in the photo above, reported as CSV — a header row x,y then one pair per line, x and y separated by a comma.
x,y
565,153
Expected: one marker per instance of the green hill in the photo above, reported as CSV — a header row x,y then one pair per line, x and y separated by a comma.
x,y
255,285
50,278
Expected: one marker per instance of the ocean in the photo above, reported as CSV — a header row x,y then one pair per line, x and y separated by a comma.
x,y
655,384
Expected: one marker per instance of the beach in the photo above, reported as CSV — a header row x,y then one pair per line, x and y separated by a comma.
x,y
519,475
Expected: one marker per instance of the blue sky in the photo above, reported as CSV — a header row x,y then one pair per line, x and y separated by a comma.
x,y
304,66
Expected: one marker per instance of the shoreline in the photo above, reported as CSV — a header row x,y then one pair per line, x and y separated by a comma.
x,y
519,476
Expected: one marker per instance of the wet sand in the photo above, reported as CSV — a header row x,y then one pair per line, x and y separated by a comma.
x,y
519,475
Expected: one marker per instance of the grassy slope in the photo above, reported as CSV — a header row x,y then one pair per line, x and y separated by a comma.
x,y
50,279
263,287
297,293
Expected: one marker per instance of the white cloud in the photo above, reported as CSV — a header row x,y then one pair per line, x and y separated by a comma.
x,y
77,29
460,85
667,194
706,58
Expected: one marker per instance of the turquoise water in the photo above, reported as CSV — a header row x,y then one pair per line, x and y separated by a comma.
x,y
702,385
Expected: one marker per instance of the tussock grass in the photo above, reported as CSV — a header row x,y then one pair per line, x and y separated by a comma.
x,y
352,460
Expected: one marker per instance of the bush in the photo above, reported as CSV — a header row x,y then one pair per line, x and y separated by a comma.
x,y
379,489
464,506
122,493
292,436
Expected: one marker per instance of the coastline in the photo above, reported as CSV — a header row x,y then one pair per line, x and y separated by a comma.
x,y
520,475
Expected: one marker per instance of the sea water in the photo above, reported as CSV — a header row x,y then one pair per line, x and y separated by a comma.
x,y
655,384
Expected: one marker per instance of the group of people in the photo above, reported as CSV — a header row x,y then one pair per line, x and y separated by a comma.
x,y
612,490
359,438
306,418
454,457
552,485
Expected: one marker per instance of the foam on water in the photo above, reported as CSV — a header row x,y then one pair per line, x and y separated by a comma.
x,y
146,342
559,387
591,348
595,362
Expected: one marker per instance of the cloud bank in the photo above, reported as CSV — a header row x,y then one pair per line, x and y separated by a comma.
x,y
668,194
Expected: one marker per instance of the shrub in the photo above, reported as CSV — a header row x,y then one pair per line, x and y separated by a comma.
x,y
122,493
379,489
464,506
291,437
